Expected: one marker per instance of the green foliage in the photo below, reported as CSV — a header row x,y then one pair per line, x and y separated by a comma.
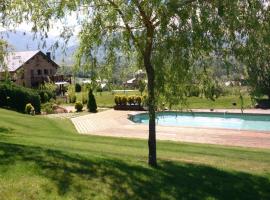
x,y
84,98
91,104
71,94
123,100
138,100
117,100
78,87
49,87
78,106
46,95
16,97
84,94
48,107
131,100
141,85
29,108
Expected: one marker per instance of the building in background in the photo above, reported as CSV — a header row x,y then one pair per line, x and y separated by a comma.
x,y
30,68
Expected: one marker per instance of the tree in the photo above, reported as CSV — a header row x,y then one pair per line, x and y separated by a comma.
x,y
253,52
167,37
3,67
91,104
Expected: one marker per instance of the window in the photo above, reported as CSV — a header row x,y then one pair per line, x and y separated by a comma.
x,y
32,72
51,72
39,72
45,72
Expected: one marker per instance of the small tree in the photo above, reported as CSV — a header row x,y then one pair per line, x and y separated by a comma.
x,y
91,105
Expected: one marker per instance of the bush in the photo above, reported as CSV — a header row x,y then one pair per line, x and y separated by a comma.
x,y
48,107
78,106
71,94
91,105
139,100
16,97
131,100
117,100
46,95
84,97
29,108
78,87
123,100
72,98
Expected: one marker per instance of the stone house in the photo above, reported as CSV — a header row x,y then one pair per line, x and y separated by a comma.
x,y
29,68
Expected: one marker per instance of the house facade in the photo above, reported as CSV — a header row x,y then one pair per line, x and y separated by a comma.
x,y
29,68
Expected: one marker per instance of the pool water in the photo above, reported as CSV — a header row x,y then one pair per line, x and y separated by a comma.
x,y
254,122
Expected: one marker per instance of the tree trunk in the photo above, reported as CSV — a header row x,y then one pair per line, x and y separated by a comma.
x,y
152,158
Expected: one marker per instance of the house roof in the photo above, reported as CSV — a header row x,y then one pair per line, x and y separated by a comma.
x,y
131,81
14,60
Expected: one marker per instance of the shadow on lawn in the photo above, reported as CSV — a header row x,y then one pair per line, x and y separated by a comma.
x,y
5,130
80,178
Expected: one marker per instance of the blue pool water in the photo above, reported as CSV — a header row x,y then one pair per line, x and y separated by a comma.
x,y
253,122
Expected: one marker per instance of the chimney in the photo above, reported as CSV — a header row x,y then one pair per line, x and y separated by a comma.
x,y
48,55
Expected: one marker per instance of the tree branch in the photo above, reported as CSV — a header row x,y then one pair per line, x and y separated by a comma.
x,y
128,27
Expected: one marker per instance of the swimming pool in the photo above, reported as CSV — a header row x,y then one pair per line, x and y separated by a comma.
x,y
254,122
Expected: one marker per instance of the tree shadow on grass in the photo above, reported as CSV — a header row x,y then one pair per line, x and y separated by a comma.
x,y
87,178
4,130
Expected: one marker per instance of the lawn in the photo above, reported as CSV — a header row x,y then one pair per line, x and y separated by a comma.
x,y
106,99
42,158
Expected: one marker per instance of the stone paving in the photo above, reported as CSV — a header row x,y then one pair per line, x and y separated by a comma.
x,y
116,124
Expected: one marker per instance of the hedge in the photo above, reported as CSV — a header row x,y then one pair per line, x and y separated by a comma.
x,y
16,97
131,100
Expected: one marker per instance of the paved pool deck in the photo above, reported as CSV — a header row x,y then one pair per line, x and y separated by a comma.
x,y
116,124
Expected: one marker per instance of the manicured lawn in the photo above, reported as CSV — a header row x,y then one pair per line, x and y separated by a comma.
x,y
106,99
43,158
224,102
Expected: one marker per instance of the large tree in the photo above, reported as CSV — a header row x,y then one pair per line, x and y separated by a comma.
x,y
254,53
168,37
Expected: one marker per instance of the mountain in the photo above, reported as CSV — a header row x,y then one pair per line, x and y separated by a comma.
x,y
26,41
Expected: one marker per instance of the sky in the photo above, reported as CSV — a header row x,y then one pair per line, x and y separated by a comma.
x,y
55,30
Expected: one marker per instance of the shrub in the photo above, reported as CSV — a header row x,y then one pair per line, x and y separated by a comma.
x,y
139,100
78,106
78,87
123,100
29,108
16,97
117,100
84,97
91,105
130,100
71,94
46,95
72,98
48,107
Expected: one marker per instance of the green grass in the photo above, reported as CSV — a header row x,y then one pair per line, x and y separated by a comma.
x,y
106,99
224,102
43,158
